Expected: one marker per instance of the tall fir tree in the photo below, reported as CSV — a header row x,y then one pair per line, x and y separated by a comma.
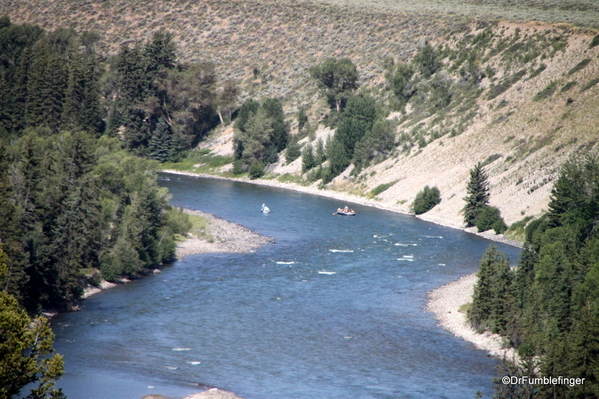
x,y
161,143
478,194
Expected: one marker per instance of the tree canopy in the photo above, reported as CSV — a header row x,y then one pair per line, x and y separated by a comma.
x,y
26,353
338,79
548,307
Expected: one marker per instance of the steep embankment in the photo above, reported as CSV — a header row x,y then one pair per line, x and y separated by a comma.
x,y
533,105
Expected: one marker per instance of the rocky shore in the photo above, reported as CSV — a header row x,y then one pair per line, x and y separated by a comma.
x,y
213,393
445,303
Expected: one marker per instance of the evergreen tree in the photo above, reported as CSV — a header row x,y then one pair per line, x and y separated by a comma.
x,y
478,194
294,150
161,143
15,277
280,128
380,140
256,137
357,120
308,160
73,99
160,53
302,119
583,352
491,300
91,111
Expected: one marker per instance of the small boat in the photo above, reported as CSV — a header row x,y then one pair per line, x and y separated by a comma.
x,y
265,209
345,212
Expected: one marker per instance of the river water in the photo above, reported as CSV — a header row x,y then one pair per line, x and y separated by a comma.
x,y
334,308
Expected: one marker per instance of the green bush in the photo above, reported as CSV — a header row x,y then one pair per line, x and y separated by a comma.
x,y
490,218
178,221
592,83
426,200
111,268
256,170
546,92
381,187
579,66
293,151
238,167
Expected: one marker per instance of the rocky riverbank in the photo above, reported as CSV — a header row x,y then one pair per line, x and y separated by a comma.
x,y
445,303
213,393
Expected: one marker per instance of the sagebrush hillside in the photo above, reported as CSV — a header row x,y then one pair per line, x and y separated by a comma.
x,y
521,96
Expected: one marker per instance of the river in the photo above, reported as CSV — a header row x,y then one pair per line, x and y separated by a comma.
x,y
333,308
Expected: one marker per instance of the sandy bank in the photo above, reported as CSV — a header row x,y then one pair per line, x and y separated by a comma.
x,y
445,302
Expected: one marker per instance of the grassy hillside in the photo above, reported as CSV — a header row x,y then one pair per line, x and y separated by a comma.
x,y
534,106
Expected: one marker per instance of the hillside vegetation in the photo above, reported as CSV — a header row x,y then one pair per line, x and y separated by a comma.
x,y
521,95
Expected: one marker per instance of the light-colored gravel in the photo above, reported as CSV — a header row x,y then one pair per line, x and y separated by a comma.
x,y
213,393
445,303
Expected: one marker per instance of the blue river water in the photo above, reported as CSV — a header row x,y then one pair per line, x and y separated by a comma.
x,y
334,308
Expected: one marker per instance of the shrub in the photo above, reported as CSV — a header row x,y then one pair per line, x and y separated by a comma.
x,y
579,66
426,200
504,85
178,221
592,83
256,170
381,187
490,218
546,92
293,151
238,167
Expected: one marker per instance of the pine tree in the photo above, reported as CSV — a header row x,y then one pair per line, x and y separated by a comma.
x,y
161,143
91,111
308,160
73,98
583,352
280,128
46,86
478,194
490,300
